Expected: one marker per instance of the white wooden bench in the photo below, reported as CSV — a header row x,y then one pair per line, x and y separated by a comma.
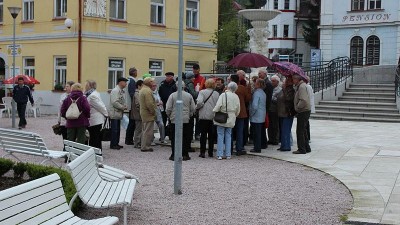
x,y
96,192
106,172
15,141
41,201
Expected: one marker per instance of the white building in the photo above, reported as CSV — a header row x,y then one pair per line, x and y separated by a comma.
x,y
368,31
286,32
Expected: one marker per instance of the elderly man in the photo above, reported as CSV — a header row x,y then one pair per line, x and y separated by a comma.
x,y
303,109
268,89
189,108
148,113
117,107
166,88
130,93
273,129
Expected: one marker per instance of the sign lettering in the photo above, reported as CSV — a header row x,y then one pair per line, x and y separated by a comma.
x,y
368,18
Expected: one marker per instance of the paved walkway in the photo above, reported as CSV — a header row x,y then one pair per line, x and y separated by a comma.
x,y
365,156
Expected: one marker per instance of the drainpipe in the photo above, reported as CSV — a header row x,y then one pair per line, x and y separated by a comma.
x,y
80,42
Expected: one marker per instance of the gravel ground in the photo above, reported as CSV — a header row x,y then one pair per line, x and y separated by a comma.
x,y
243,190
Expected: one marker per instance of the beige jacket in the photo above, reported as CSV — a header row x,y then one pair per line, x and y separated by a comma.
x,y
147,104
301,98
117,103
233,108
189,107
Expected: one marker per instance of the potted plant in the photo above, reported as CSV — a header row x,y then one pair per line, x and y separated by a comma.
x,y
58,87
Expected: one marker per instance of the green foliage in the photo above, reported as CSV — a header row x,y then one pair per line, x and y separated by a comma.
x,y
19,170
37,171
58,87
5,166
253,4
310,32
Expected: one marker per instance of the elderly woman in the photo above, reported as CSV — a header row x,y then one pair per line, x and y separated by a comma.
x,y
76,128
61,120
286,112
228,102
257,113
206,101
98,112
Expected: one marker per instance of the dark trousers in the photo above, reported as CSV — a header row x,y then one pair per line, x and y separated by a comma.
x,y
257,138
308,130
21,108
239,134
185,139
95,136
206,131
245,131
273,129
77,134
115,132
165,119
130,131
64,134
264,140
301,132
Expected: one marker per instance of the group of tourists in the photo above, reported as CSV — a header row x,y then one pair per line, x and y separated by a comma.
x,y
250,107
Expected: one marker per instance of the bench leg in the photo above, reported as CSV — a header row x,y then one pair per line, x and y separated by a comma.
x,y
125,214
10,153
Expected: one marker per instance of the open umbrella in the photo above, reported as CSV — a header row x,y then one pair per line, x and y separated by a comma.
x,y
27,80
289,69
250,60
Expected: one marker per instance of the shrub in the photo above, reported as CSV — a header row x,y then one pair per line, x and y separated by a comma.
x,y
19,170
5,166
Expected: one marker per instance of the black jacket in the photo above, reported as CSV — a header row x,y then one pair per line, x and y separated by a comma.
x,y
165,90
22,94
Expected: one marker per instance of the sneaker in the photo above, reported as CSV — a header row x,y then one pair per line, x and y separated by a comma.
x,y
219,158
228,157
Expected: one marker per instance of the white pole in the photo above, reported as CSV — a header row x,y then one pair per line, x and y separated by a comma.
x,y
179,109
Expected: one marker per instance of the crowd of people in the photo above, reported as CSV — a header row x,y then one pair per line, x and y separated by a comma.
x,y
252,106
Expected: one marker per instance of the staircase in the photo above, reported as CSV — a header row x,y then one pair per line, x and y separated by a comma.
x,y
361,102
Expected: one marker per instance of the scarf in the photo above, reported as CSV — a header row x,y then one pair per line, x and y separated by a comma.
x,y
89,92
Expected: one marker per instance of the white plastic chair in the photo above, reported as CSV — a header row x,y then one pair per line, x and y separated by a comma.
x,y
35,109
7,106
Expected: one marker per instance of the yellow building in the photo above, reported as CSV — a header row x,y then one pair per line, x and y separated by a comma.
x,y
107,39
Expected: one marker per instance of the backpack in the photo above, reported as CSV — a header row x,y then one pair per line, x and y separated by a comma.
x,y
73,110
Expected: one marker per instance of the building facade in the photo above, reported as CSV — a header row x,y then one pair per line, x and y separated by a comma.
x,y
105,39
368,31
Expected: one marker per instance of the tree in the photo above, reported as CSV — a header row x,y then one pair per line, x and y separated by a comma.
x,y
310,28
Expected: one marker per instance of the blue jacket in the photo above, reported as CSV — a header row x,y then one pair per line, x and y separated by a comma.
x,y
22,94
257,106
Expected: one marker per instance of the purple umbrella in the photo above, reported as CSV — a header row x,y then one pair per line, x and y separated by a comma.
x,y
289,69
250,60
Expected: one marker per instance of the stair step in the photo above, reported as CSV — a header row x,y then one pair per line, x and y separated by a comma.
x,y
371,90
364,119
355,109
367,99
360,104
365,114
366,94
383,85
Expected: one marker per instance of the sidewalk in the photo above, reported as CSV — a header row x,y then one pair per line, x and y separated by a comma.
x,y
365,156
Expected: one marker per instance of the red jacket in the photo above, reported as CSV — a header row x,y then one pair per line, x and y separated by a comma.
x,y
198,79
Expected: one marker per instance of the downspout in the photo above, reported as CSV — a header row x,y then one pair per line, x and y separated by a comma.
x,y
80,42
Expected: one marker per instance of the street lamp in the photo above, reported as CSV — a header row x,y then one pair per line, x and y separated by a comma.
x,y
14,13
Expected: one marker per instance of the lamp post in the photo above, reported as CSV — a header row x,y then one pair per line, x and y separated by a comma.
x,y
14,13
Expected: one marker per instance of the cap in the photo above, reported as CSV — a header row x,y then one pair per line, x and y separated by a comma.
x,y
122,79
189,75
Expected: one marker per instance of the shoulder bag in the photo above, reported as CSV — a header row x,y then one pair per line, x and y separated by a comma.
x,y
106,130
222,117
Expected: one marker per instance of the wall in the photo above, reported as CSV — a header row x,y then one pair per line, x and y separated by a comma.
x,y
329,93
375,74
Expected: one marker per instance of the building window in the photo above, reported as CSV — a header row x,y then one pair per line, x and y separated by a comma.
x,y
275,31
117,9
157,12
189,65
29,66
298,59
156,67
60,8
28,10
192,14
374,4
373,50
287,4
115,70
357,5
276,4
1,11
356,50
285,31
60,71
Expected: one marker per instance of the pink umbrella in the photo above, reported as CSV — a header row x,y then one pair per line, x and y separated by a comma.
x,y
250,60
289,69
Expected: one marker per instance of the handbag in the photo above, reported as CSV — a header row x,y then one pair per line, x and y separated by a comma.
x,y
57,129
106,130
222,117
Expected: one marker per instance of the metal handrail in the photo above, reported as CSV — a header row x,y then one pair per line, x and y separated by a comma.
x,y
397,80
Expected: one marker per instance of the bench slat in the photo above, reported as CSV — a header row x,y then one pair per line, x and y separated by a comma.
x,y
91,188
61,210
95,196
106,190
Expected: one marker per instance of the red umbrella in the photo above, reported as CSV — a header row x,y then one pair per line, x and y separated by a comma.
x,y
250,60
27,80
289,69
